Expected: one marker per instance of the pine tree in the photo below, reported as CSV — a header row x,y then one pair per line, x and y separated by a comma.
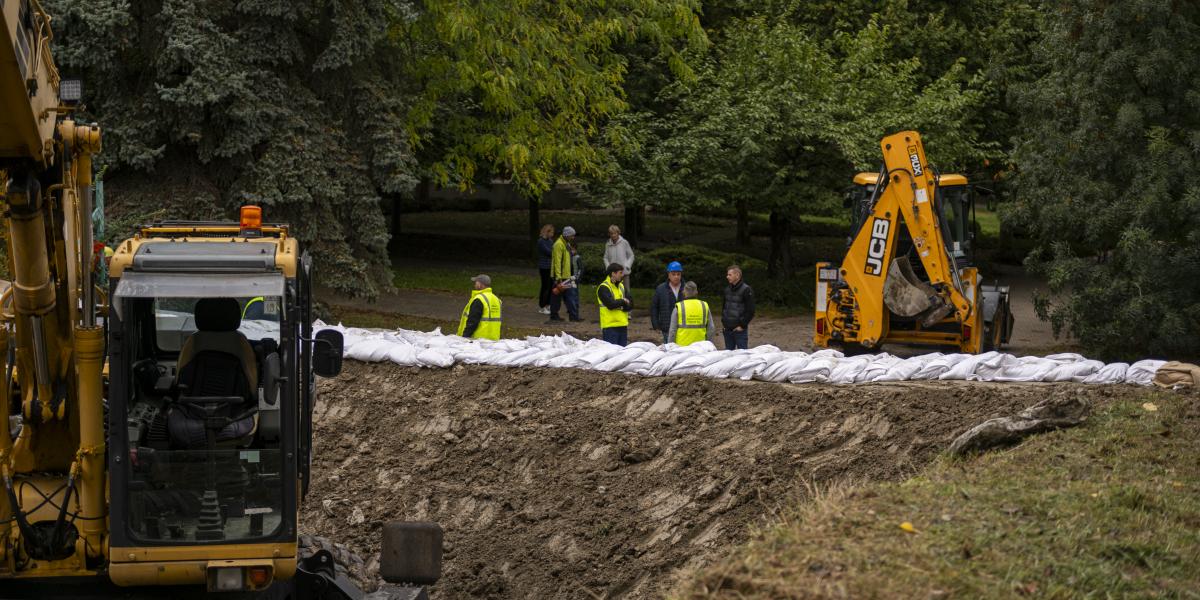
x,y
210,104
1109,175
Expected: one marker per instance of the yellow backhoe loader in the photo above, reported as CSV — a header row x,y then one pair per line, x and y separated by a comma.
x,y
155,435
908,275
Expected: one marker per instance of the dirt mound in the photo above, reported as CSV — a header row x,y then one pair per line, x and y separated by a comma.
x,y
573,484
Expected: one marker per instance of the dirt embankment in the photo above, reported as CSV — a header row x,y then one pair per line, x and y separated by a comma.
x,y
573,484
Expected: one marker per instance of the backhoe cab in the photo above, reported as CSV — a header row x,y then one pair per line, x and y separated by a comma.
x,y
212,359
908,276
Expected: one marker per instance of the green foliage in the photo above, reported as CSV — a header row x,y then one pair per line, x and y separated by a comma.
x,y
786,118
523,89
705,266
285,104
779,119
1109,175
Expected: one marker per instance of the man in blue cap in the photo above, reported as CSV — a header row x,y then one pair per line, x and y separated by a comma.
x,y
666,295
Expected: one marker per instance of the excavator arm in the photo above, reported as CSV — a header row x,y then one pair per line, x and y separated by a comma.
x,y
48,316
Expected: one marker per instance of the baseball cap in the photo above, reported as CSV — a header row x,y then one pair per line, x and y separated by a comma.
x,y
484,279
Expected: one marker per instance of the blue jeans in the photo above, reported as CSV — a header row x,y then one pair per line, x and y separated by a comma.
x,y
571,298
616,335
735,340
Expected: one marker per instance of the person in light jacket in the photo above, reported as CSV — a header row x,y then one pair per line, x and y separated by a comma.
x,y
617,250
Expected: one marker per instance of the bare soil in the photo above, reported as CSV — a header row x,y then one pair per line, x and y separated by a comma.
x,y
573,484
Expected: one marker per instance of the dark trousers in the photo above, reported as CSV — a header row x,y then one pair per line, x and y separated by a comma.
x,y
616,335
737,340
544,292
570,297
666,336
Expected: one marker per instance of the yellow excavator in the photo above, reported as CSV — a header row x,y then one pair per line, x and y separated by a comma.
x,y
908,275
155,434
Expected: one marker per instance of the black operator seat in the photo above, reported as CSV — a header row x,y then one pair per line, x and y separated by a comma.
x,y
216,360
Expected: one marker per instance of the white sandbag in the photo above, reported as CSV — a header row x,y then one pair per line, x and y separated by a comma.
x,y
1110,373
764,363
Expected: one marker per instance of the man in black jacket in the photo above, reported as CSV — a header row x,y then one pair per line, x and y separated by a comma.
x,y
666,295
737,311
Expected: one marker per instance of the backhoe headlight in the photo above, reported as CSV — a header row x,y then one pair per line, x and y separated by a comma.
x,y
228,579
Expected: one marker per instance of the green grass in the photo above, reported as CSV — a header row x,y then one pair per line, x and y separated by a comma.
x,y
458,280
589,224
1107,510
989,223
358,317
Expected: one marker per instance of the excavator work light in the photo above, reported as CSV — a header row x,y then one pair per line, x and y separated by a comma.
x,y
70,91
251,221
227,579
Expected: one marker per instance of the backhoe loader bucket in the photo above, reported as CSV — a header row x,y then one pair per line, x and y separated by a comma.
x,y
906,295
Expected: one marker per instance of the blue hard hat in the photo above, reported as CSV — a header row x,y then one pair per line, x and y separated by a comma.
x,y
674,267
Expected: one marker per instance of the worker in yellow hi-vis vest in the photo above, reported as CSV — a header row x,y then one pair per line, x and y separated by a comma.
x,y
691,321
255,309
481,317
614,307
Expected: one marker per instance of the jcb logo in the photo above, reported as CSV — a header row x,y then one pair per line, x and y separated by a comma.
x,y
877,248
915,159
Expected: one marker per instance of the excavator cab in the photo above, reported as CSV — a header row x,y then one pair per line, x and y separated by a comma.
x,y
954,198
211,366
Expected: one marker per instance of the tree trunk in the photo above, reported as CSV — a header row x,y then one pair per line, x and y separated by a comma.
x,y
631,224
395,229
641,221
743,223
535,223
422,198
779,265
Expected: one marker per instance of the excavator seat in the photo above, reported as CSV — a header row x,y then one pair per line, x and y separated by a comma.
x,y
216,361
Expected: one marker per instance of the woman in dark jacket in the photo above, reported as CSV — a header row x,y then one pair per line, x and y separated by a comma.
x,y
545,247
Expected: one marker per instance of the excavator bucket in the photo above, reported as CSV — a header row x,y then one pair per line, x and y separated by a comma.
x,y
907,296
904,293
